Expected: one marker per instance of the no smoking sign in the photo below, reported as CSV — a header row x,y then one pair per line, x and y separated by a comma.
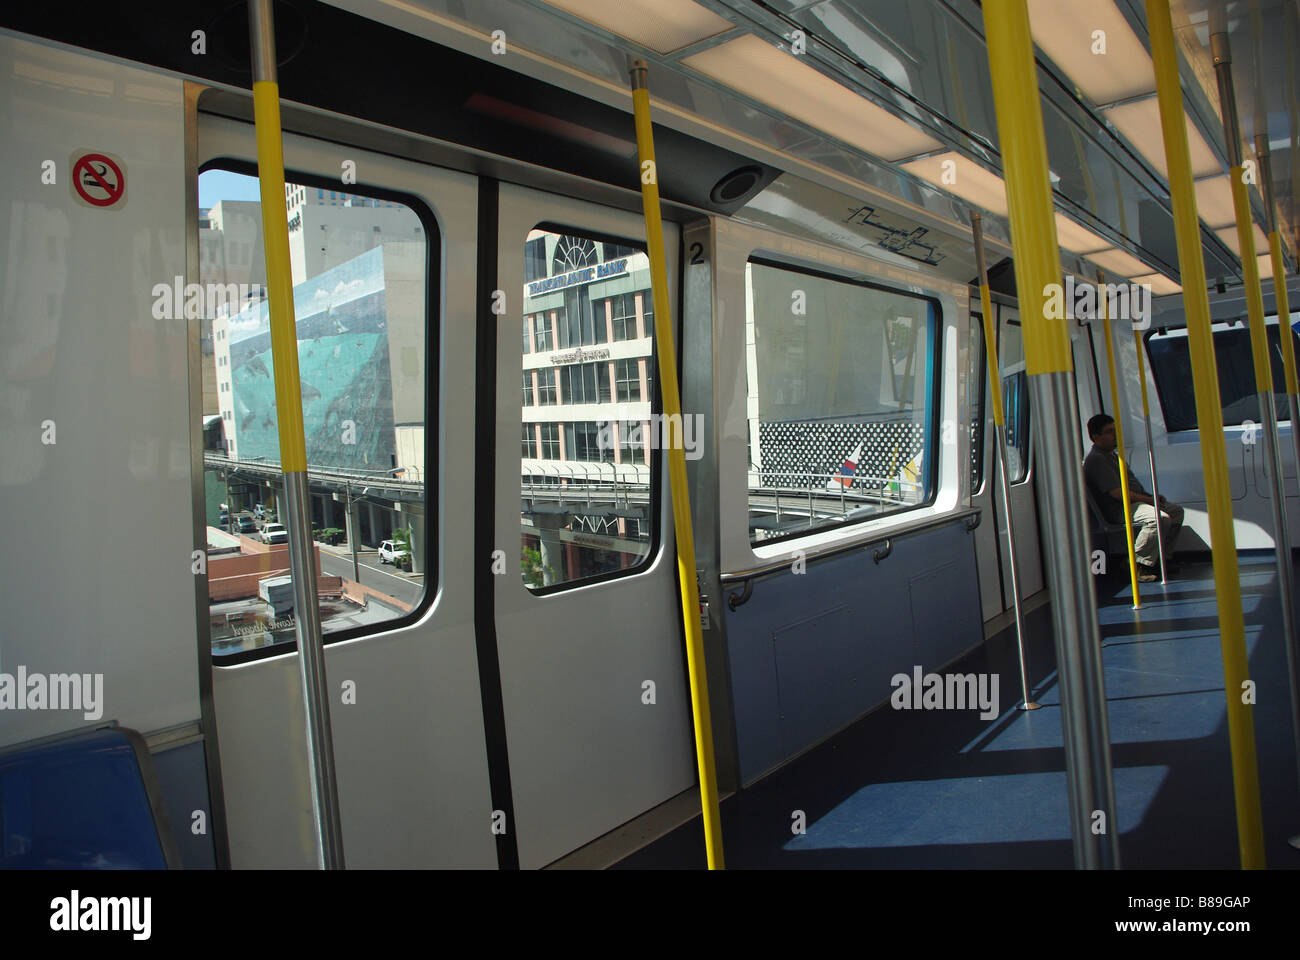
x,y
98,179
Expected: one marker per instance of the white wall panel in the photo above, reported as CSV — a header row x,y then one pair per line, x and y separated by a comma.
x,y
95,563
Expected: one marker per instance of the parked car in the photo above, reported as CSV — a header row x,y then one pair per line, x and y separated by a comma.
x,y
390,552
274,533
244,523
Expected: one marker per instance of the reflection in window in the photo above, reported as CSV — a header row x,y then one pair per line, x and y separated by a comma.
x,y
1171,369
1015,398
587,490
359,289
841,398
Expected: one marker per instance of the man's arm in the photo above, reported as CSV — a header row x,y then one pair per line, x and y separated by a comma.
x,y
1134,496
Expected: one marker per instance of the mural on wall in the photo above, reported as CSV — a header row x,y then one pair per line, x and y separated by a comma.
x,y
347,384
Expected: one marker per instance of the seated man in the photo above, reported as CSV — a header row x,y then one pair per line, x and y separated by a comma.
x,y
1101,473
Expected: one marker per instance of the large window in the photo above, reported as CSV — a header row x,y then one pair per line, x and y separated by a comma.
x,y
622,309
585,383
842,399
544,337
546,387
628,380
588,509
360,293
1171,367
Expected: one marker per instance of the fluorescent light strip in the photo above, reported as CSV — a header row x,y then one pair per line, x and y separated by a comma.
x,y
1214,201
1077,239
782,81
1065,31
1119,263
1139,121
1160,285
660,25
955,174
1229,236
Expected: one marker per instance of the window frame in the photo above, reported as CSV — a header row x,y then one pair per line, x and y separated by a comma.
x,y
432,239
655,512
934,390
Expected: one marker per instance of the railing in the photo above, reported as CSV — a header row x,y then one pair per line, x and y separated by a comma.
x,y
814,489
585,482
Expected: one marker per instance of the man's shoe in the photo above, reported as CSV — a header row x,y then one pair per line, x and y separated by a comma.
x,y
1146,574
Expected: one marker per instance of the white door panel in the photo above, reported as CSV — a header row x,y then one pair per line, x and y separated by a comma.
x,y
410,752
587,752
1024,509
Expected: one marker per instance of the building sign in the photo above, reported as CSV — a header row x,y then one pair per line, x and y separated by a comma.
x,y
601,271
580,356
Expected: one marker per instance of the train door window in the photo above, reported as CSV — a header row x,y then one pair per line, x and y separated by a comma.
x,y
589,493
842,400
1015,399
361,295
977,378
1171,369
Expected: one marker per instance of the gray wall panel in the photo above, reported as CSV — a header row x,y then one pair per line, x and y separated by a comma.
x,y
798,676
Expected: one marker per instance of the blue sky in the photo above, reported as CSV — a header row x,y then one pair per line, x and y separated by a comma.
x,y
217,185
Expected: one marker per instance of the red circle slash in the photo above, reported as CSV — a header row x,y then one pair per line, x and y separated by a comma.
x,y
114,191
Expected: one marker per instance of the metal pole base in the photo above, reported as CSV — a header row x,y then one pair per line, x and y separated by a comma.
x,y
1030,705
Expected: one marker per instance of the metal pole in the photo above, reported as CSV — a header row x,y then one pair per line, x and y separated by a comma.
x,y
1151,451
1048,362
677,470
1209,416
354,526
1222,56
293,454
1000,449
1119,441
1287,338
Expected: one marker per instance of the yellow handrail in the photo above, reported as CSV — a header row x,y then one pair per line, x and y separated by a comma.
x,y
685,535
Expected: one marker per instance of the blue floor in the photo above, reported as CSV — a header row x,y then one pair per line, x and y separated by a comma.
x,y
946,789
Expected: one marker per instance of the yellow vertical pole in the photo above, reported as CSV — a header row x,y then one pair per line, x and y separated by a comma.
x,y
293,452
1049,363
1119,439
677,471
1209,413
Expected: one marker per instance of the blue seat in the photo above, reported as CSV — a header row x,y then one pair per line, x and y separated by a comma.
x,y
87,800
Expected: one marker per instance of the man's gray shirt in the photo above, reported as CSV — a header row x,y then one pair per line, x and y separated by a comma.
x,y
1101,473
